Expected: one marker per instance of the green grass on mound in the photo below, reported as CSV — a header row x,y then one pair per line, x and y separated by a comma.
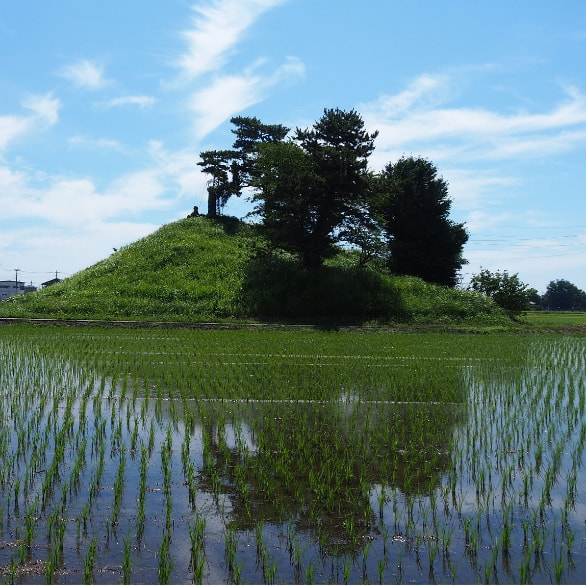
x,y
202,270
189,269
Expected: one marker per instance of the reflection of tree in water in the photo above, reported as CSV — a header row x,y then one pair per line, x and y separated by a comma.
x,y
315,464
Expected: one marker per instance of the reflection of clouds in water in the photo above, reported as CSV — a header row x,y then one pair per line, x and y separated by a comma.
x,y
239,436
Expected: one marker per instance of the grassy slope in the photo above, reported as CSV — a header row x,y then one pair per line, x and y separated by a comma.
x,y
198,270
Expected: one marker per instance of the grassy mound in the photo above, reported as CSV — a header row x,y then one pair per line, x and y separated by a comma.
x,y
202,270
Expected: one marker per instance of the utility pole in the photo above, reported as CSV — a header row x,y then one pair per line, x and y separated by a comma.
x,y
16,271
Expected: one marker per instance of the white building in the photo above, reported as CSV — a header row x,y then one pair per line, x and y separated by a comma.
x,y
10,288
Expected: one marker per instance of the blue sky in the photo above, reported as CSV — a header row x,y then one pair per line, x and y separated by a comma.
x,y
105,106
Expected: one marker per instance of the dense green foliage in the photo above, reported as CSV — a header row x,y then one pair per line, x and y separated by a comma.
x,y
506,290
314,190
415,207
563,295
204,270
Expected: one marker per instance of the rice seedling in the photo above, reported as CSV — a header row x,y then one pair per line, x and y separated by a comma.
x,y
558,569
90,561
231,545
165,560
269,570
119,486
197,553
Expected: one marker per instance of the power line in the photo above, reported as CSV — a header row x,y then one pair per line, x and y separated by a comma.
x,y
33,272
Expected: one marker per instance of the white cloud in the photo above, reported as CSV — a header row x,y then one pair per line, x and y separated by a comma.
x,y
11,184
45,112
143,102
85,74
470,187
484,155
102,143
292,70
69,202
72,202
478,220
179,167
217,27
422,90
228,95
141,190
545,143
413,119
80,222
45,108
218,102
11,127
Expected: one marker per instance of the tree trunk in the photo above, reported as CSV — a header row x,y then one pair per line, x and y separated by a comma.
x,y
212,204
312,259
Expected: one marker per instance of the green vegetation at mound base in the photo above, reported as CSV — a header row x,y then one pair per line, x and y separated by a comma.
x,y
202,270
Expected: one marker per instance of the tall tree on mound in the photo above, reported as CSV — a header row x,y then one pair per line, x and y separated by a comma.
x,y
219,165
250,133
313,191
230,169
423,241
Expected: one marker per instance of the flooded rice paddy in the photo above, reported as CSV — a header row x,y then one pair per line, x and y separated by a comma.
x,y
179,456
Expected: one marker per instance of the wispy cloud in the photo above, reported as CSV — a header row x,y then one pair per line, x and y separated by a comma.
x,y
45,108
101,143
416,118
178,169
531,260
421,92
11,127
45,113
484,154
216,103
479,220
469,187
74,201
11,184
143,102
216,28
85,74
228,95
